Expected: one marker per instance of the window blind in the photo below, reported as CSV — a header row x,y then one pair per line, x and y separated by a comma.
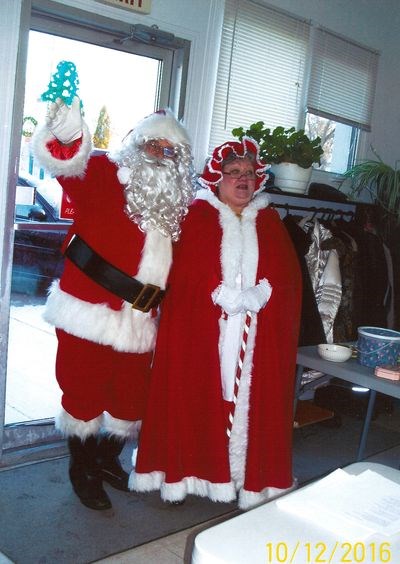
x,y
342,80
261,69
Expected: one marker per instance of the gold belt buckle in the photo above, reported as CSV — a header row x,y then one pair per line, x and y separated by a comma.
x,y
143,302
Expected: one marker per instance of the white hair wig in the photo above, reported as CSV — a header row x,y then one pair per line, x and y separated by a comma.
x,y
158,192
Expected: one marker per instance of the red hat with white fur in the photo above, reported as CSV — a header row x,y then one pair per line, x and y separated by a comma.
x,y
212,173
160,125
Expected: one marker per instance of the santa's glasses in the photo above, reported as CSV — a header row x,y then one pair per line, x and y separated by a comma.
x,y
159,148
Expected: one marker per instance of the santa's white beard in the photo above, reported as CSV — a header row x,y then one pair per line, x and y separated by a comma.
x,y
157,193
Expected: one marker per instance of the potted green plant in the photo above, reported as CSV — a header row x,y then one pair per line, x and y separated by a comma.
x,y
290,152
379,179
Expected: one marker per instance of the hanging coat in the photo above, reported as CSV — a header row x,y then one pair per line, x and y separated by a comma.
x,y
184,446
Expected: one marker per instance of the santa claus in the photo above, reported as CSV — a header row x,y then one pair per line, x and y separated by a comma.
x,y
128,208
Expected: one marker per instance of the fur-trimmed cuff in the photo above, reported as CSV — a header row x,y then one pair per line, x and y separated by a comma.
x,y
249,500
121,428
69,426
74,166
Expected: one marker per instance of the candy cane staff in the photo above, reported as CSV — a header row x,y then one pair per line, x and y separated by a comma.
x,y
208,432
239,368
118,252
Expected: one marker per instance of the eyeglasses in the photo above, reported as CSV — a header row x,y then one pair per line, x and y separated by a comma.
x,y
155,148
236,174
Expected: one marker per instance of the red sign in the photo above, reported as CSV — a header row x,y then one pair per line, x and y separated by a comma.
x,y
66,209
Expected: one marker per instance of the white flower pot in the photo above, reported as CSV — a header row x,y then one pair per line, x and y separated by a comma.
x,y
291,177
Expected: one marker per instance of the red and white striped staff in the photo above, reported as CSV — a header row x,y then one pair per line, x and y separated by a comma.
x,y
242,353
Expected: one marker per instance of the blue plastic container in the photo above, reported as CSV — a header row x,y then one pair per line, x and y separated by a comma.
x,y
378,346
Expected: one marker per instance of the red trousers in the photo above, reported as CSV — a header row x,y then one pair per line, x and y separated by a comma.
x,y
95,378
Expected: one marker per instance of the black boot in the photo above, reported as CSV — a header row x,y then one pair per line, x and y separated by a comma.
x,y
85,475
111,470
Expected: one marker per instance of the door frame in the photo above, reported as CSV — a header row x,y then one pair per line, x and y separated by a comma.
x,y
35,440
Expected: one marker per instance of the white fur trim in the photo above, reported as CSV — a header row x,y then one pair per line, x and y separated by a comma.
x,y
239,258
70,426
134,455
121,428
239,246
239,432
145,482
125,330
160,126
177,491
249,500
124,174
74,166
156,259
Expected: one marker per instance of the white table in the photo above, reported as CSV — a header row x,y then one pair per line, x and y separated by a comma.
x,y
350,371
262,535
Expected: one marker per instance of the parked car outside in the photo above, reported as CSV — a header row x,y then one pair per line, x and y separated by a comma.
x,y
38,236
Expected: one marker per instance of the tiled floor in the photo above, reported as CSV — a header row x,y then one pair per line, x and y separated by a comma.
x,y
169,550
174,549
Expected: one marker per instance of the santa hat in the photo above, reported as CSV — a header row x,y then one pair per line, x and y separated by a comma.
x,y
160,125
212,173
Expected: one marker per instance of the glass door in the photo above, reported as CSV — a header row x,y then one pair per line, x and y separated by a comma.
x,y
124,80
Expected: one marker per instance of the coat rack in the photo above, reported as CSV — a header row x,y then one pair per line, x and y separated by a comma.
x,y
307,205
314,210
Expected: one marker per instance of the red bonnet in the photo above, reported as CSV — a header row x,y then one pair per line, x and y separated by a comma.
x,y
212,173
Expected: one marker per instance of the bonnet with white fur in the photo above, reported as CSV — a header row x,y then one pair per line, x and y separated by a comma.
x,y
212,173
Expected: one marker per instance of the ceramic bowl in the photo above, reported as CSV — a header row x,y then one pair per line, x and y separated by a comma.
x,y
335,353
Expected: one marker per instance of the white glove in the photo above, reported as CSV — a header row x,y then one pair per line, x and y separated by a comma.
x,y
229,299
65,122
255,298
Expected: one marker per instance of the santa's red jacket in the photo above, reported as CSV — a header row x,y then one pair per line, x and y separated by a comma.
x,y
77,304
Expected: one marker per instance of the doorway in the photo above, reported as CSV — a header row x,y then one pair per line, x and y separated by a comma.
x,y
111,65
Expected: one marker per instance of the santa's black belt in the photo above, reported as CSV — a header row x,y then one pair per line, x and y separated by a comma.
x,y
142,296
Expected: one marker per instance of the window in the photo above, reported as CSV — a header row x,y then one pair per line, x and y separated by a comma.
x,y
339,142
97,83
340,96
279,69
261,69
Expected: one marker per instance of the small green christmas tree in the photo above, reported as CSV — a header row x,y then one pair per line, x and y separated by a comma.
x,y
101,137
63,84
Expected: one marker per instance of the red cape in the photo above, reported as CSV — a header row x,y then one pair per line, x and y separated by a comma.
x,y
184,430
